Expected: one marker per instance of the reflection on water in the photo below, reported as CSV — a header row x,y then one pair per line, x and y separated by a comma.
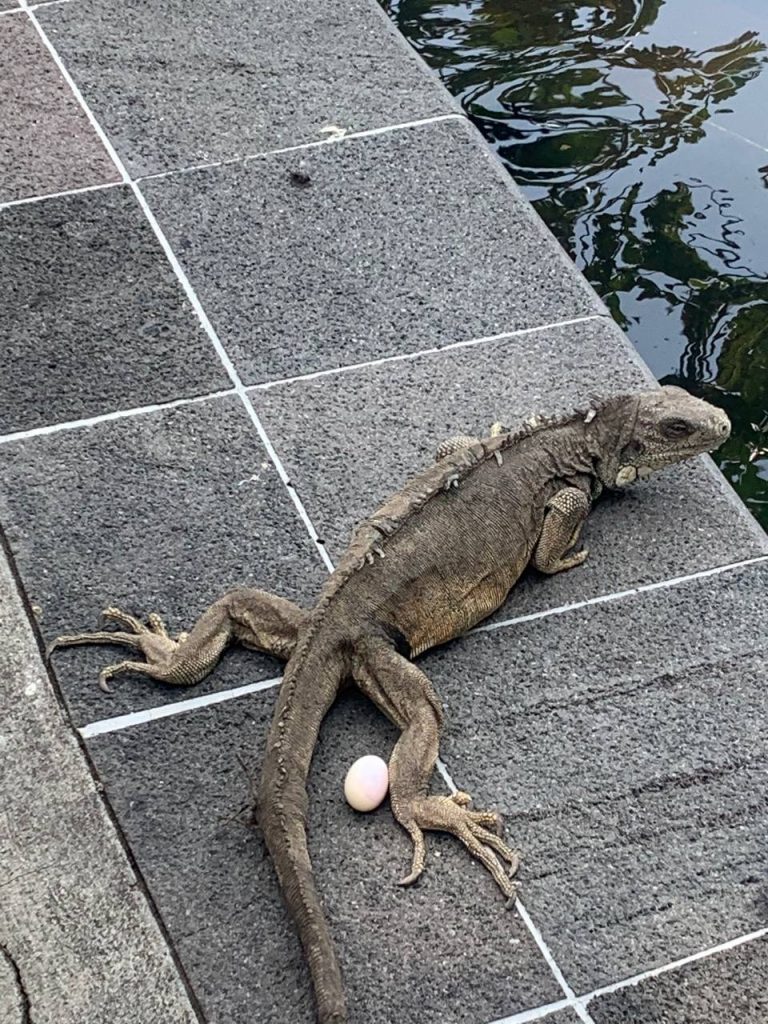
x,y
639,129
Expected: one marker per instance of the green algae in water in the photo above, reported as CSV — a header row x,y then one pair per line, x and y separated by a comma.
x,y
639,130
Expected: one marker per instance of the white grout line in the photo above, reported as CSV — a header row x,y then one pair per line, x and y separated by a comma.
x,y
384,360
206,166
619,595
105,417
117,414
25,8
570,995
234,376
674,965
446,775
545,951
107,725
537,1013
366,133
59,195
112,153
190,293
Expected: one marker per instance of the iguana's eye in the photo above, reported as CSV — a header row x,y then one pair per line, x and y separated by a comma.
x,y
676,429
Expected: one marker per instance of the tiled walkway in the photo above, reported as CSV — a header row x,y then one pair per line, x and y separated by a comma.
x,y
254,267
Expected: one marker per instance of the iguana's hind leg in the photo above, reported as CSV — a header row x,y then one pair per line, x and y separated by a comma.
x,y
260,621
407,697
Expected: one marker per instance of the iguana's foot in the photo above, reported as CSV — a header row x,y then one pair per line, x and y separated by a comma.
x,y
260,621
152,639
451,814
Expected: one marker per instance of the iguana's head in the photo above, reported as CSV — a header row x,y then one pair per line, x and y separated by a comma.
x,y
649,430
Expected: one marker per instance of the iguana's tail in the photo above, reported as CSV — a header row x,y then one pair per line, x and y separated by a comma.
x,y
310,684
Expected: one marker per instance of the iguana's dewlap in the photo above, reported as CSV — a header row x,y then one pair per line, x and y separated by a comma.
x,y
366,783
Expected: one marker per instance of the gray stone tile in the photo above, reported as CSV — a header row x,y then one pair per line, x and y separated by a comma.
x,y
77,935
349,440
400,242
176,84
562,1017
95,318
407,954
626,744
727,987
9,5
160,512
46,142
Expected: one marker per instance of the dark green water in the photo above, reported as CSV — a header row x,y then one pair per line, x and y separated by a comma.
x,y
639,130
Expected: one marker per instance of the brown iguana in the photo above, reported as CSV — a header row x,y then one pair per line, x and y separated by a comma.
x,y
438,557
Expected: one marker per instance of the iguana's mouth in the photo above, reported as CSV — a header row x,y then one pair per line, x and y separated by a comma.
x,y
699,449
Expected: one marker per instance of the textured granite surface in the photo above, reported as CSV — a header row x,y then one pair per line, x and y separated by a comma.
x,y
46,142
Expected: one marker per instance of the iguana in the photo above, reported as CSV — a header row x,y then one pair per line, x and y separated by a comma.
x,y
438,557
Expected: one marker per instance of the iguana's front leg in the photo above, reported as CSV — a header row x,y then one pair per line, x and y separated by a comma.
x,y
408,699
563,520
260,621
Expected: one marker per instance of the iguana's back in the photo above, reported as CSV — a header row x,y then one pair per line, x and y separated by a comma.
x,y
443,553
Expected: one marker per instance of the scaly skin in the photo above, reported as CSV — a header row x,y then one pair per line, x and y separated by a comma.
x,y
436,559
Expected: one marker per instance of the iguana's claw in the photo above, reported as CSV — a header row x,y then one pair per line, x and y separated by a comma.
x,y
152,640
156,624
451,814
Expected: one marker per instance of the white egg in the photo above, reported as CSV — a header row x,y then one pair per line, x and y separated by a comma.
x,y
366,783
